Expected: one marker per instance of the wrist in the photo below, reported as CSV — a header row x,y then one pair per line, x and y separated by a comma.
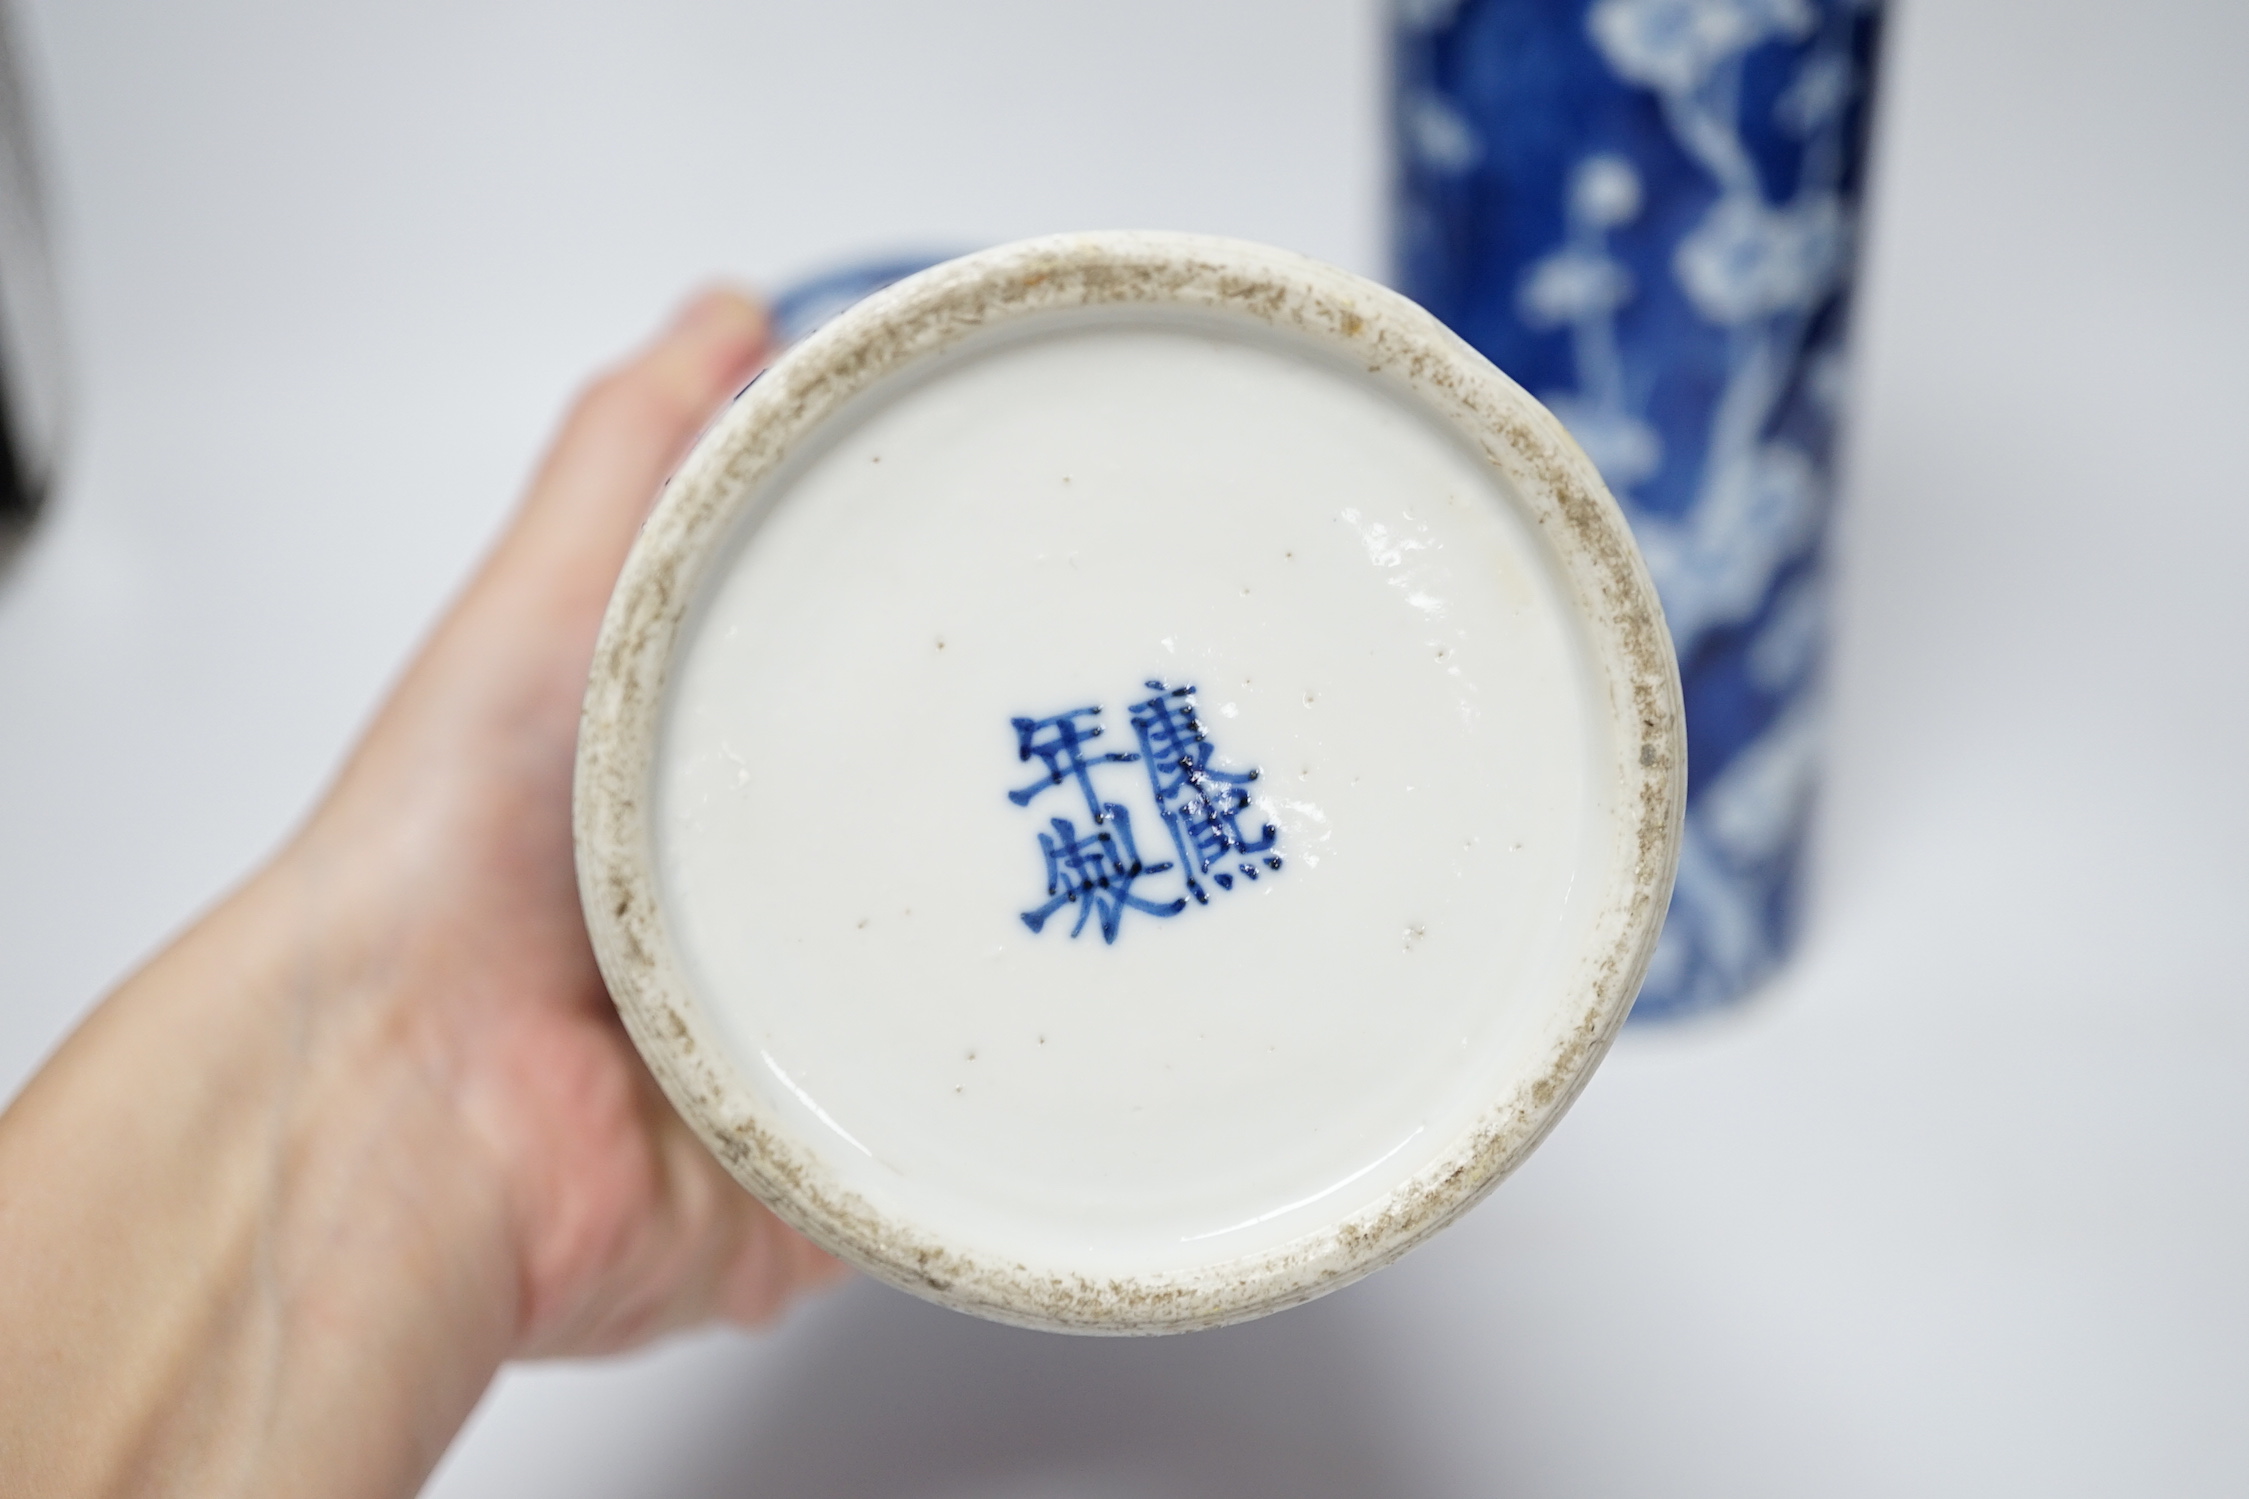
x,y
389,1221
240,1224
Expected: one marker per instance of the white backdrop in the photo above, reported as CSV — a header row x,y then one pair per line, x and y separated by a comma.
x,y
1961,1207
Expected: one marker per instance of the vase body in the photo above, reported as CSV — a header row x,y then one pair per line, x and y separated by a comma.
x,y
1646,212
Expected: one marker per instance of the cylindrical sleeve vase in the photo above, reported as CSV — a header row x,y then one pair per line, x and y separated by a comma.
x,y
1645,211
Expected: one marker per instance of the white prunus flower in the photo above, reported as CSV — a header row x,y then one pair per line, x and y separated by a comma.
x,y
1672,46
1625,449
1758,805
1788,646
1717,943
1713,565
1714,944
1571,284
1748,260
1604,192
1821,90
1439,136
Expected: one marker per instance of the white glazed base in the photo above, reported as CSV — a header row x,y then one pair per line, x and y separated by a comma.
x,y
1026,482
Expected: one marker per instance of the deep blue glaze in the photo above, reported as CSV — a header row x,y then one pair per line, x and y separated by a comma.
x,y
1645,211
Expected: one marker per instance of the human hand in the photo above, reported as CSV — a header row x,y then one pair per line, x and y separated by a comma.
x,y
453,821
280,1208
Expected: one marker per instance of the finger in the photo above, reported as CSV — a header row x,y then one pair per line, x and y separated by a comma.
x,y
753,1264
527,620
772,1265
750,1265
703,1249
627,432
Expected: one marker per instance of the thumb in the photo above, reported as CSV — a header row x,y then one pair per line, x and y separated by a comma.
x,y
626,433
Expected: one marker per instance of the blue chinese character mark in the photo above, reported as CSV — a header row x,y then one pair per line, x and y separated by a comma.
x,y
1095,873
1060,742
1200,807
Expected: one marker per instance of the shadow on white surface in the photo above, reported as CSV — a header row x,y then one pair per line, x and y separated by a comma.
x,y
896,1399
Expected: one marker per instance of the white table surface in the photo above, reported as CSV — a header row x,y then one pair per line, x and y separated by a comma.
x,y
1958,1208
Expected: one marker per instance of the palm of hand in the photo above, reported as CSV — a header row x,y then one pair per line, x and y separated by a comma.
x,y
455,817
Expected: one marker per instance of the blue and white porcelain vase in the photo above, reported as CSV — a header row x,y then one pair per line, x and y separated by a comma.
x,y
1645,211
